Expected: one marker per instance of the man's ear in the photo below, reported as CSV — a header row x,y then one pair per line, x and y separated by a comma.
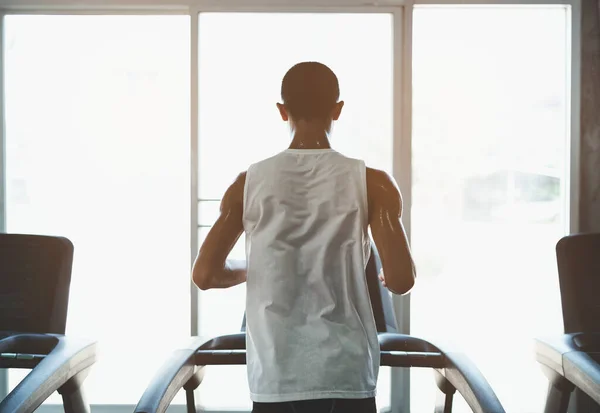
x,y
283,112
337,110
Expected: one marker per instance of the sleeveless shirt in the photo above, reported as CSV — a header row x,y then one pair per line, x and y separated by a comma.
x,y
310,331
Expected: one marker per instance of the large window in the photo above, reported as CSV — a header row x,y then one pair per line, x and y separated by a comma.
x,y
240,80
490,144
97,150
104,113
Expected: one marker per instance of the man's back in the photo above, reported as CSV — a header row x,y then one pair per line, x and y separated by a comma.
x,y
308,310
312,341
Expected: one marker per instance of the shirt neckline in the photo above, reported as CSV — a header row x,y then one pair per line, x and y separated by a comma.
x,y
308,151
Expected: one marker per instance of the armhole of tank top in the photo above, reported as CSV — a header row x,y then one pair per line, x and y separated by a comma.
x,y
362,168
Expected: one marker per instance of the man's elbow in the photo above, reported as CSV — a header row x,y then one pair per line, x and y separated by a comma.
x,y
404,285
403,288
200,280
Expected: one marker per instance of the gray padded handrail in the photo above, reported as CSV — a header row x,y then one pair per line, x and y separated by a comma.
x,y
67,359
396,350
572,361
170,378
464,375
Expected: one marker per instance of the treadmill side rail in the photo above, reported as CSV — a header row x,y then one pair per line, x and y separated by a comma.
x,y
396,350
465,377
173,375
584,372
62,369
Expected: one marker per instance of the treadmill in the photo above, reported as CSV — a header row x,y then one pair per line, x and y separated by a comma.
x,y
35,275
452,370
571,361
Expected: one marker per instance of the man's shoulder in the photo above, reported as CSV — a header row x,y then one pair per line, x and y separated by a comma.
x,y
378,177
382,188
234,195
241,179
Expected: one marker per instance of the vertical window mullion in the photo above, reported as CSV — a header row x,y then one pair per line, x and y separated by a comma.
x,y
194,166
402,103
3,372
574,145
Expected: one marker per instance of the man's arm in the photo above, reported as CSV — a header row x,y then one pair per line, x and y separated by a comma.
x,y
385,220
212,269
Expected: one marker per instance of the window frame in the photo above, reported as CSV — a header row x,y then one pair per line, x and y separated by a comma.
x,y
402,113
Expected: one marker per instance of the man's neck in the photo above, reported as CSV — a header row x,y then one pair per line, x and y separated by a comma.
x,y
310,136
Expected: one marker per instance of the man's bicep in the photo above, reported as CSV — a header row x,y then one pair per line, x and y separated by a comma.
x,y
223,235
386,227
229,226
385,200
385,220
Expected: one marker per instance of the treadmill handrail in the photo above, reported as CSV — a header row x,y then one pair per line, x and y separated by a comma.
x,y
584,372
566,358
230,349
68,358
464,375
170,378
549,351
457,368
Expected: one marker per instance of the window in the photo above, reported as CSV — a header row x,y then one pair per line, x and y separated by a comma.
x,y
99,131
243,58
97,150
490,144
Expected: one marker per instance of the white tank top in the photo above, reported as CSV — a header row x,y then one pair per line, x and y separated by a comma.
x,y
310,330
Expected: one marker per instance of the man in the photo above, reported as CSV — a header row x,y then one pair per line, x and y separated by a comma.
x,y
311,337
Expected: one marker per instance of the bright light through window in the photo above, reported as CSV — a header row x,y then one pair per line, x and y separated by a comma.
x,y
97,150
490,135
97,140
243,58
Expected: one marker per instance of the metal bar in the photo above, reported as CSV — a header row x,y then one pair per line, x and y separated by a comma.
x,y
467,3
78,10
400,380
574,161
184,7
73,394
194,167
300,8
402,167
164,7
557,400
388,358
403,141
3,180
22,356
190,401
126,408
443,402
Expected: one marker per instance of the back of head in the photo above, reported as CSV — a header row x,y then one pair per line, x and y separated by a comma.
x,y
310,91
